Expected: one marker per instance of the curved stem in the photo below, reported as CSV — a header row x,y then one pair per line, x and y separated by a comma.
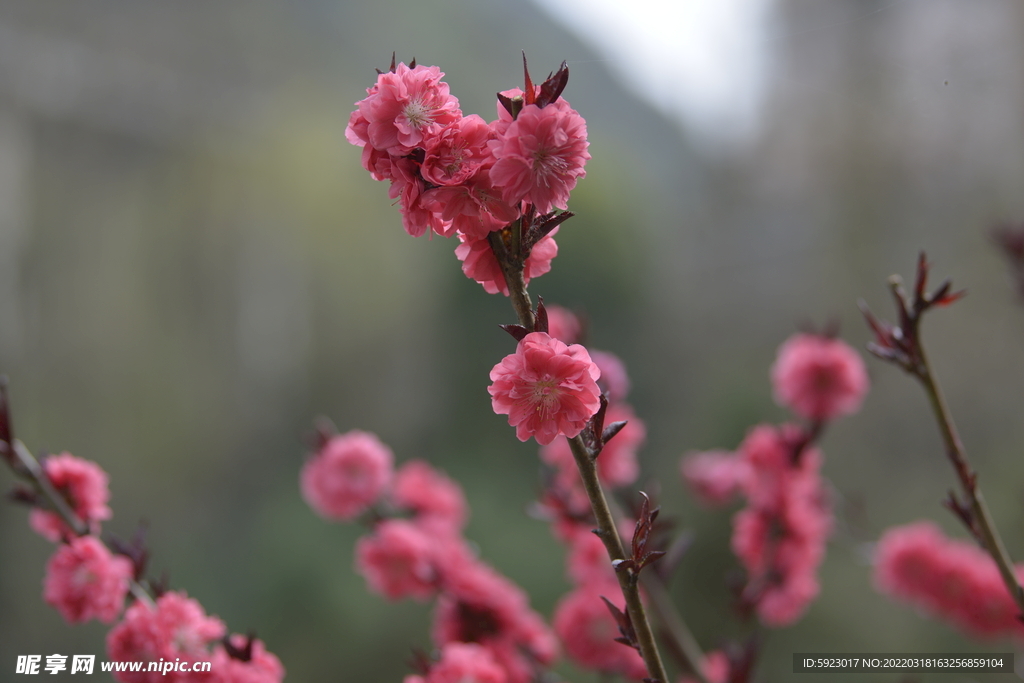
x,y
628,579
985,527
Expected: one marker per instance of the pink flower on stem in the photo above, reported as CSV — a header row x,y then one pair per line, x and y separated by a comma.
x,y
474,209
347,475
403,110
436,501
84,580
949,579
251,663
175,629
418,216
84,485
480,264
617,465
819,378
546,388
540,156
564,326
397,561
588,631
457,152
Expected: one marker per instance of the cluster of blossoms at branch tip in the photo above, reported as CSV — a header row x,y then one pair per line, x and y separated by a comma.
x,y
459,175
948,579
483,627
780,535
86,580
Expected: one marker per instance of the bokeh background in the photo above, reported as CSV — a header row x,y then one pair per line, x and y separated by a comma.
x,y
193,265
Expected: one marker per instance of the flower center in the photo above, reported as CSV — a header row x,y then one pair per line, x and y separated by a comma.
x,y
547,163
545,395
417,113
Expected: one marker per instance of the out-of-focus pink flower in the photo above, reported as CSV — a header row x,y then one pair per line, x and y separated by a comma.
x,y
540,156
347,475
83,484
479,605
588,631
819,378
546,388
716,668
716,477
949,579
614,379
780,536
564,325
403,109
436,501
177,628
260,667
397,560
84,580
587,560
480,264
466,663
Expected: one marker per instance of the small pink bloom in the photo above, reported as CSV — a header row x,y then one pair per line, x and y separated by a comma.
x,y
347,476
819,378
466,663
474,208
949,579
716,477
418,216
403,109
397,561
436,501
260,666
480,264
84,580
83,484
588,631
541,155
614,379
564,326
177,628
546,388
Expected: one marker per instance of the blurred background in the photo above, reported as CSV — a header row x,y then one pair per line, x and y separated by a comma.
x,y
193,265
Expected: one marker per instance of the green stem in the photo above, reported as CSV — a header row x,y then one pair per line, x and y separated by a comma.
x,y
968,479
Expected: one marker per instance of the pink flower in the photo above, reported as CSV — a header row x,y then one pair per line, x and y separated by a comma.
x,y
177,628
457,152
84,485
436,501
780,536
256,665
466,663
540,156
84,580
347,476
819,378
716,477
403,109
397,561
564,326
588,631
949,579
418,215
480,264
474,209
546,388
479,605
588,561
614,379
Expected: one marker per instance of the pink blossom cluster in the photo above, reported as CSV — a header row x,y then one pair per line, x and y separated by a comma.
x,y
85,580
948,579
780,535
459,175
483,626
